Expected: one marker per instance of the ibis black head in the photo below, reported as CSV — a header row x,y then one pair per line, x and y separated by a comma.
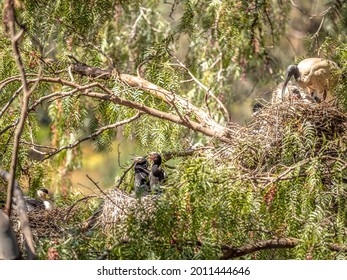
x,y
292,70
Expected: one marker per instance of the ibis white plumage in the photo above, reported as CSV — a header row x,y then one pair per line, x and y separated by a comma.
x,y
316,75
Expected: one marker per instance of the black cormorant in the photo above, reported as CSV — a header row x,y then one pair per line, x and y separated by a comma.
x,y
43,202
157,174
141,181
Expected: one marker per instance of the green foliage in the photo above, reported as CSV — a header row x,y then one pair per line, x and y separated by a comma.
x,y
229,195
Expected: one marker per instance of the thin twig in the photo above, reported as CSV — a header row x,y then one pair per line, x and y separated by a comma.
x,y
93,135
101,190
123,175
208,91
8,104
66,218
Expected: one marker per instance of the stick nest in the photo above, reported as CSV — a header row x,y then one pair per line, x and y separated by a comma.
x,y
310,129
118,205
270,122
43,223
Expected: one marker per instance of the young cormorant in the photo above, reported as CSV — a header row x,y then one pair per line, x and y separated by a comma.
x,y
157,174
43,201
141,182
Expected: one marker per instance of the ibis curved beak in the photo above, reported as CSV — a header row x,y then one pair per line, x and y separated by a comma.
x,y
292,70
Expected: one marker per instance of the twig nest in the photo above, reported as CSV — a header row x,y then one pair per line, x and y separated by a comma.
x,y
118,205
272,120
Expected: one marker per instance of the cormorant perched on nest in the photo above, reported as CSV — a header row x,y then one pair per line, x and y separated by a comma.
x,y
157,174
141,182
43,202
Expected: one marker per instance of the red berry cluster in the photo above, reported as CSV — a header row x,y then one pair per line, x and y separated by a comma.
x,y
52,254
270,195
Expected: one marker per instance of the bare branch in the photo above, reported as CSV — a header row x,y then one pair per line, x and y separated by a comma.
x,y
22,215
230,252
8,104
211,128
168,97
202,122
10,16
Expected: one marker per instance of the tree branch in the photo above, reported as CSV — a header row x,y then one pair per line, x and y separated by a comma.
x,y
208,91
22,215
230,252
234,252
203,123
10,24
168,97
212,129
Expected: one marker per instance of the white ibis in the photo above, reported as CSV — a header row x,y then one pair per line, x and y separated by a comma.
x,y
316,75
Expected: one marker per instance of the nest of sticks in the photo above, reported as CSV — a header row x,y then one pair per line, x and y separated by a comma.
x,y
259,145
271,121
118,205
43,223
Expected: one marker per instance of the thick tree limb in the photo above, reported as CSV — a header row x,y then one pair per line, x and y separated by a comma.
x,y
337,247
10,24
234,252
194,119
230,252
170,98
22,215
215,131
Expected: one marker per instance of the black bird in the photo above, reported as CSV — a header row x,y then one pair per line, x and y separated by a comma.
x,y
157,174
141,180
43,202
